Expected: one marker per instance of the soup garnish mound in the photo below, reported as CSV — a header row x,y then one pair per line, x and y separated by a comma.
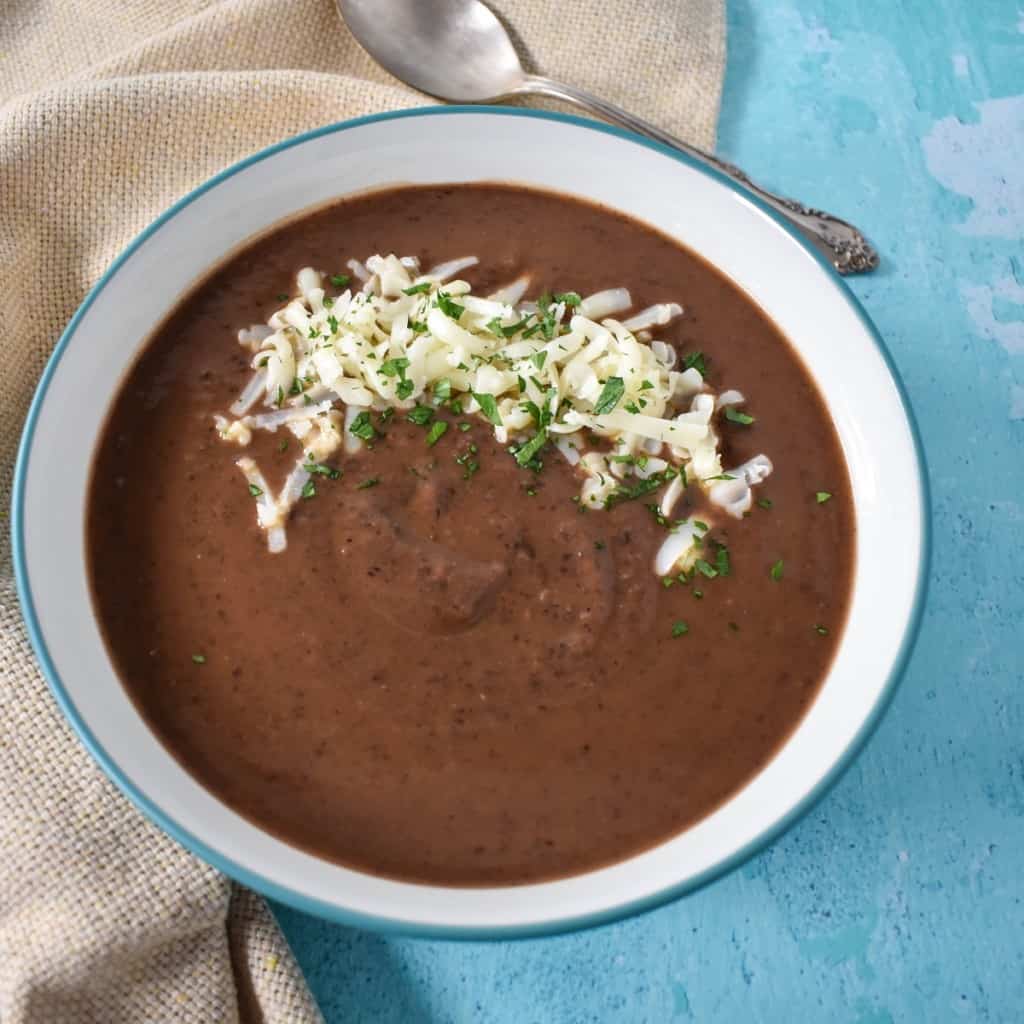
x,y
554,375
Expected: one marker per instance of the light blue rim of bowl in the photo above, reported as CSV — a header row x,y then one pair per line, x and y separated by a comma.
x,y
387,924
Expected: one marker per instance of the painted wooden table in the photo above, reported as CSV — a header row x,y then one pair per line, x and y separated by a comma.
x,y
899,898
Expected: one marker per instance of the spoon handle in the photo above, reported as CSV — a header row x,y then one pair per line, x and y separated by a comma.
x,y
839,242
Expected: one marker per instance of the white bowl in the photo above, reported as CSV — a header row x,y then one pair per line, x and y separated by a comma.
x,y
704,211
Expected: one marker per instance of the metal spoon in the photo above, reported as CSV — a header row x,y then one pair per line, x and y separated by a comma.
x,y
457,50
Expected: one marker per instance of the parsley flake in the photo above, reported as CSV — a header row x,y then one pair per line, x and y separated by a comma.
x,y
436,432
448,306
368,483
722,563
735,416
525,453
309,490
776,571
320,469
489,407
680,628
199,659
417,289
340,280
421,415
696,361
611,394
822,496
362,427
394,367
255,491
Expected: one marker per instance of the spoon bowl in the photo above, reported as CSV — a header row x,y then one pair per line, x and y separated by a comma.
x,y
455,51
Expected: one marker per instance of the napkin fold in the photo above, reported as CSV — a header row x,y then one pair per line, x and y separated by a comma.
x,y
109,112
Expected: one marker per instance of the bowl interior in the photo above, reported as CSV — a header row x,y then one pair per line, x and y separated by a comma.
x,y
795,289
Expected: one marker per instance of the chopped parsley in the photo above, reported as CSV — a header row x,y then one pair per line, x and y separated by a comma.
x,y
538,359
599,545
547,321
369,482
658,517
646,385
362,427
465,426
443,389
282,296
405,389
705,568
632,407
467,462
489,407
822,496
611,394
721,476
668,581
320,469
255,491
776,571
309,489
764,502
735,416
418,327
526,453
264,361
696,361
680,628
448,306
417,289
332,322
421,415
199,659
630,460
642,487
340,280
436,432
698,594
571,299
722,563
283,446
394,367
821,630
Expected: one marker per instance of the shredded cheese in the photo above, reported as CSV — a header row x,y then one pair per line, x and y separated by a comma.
x,y
560,367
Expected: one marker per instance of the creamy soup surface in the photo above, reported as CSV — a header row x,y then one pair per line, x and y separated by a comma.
x,y
535,703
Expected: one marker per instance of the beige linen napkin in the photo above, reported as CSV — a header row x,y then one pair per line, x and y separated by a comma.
x,y
112,110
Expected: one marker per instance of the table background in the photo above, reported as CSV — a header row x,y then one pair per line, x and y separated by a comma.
x,y
899,897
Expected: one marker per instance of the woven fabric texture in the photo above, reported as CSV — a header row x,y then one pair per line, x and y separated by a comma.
x,y
109,112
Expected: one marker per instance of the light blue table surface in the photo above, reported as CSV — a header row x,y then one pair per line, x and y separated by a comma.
x,y
898,898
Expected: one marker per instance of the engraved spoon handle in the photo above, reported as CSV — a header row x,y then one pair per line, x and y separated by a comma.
x,y
839,242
